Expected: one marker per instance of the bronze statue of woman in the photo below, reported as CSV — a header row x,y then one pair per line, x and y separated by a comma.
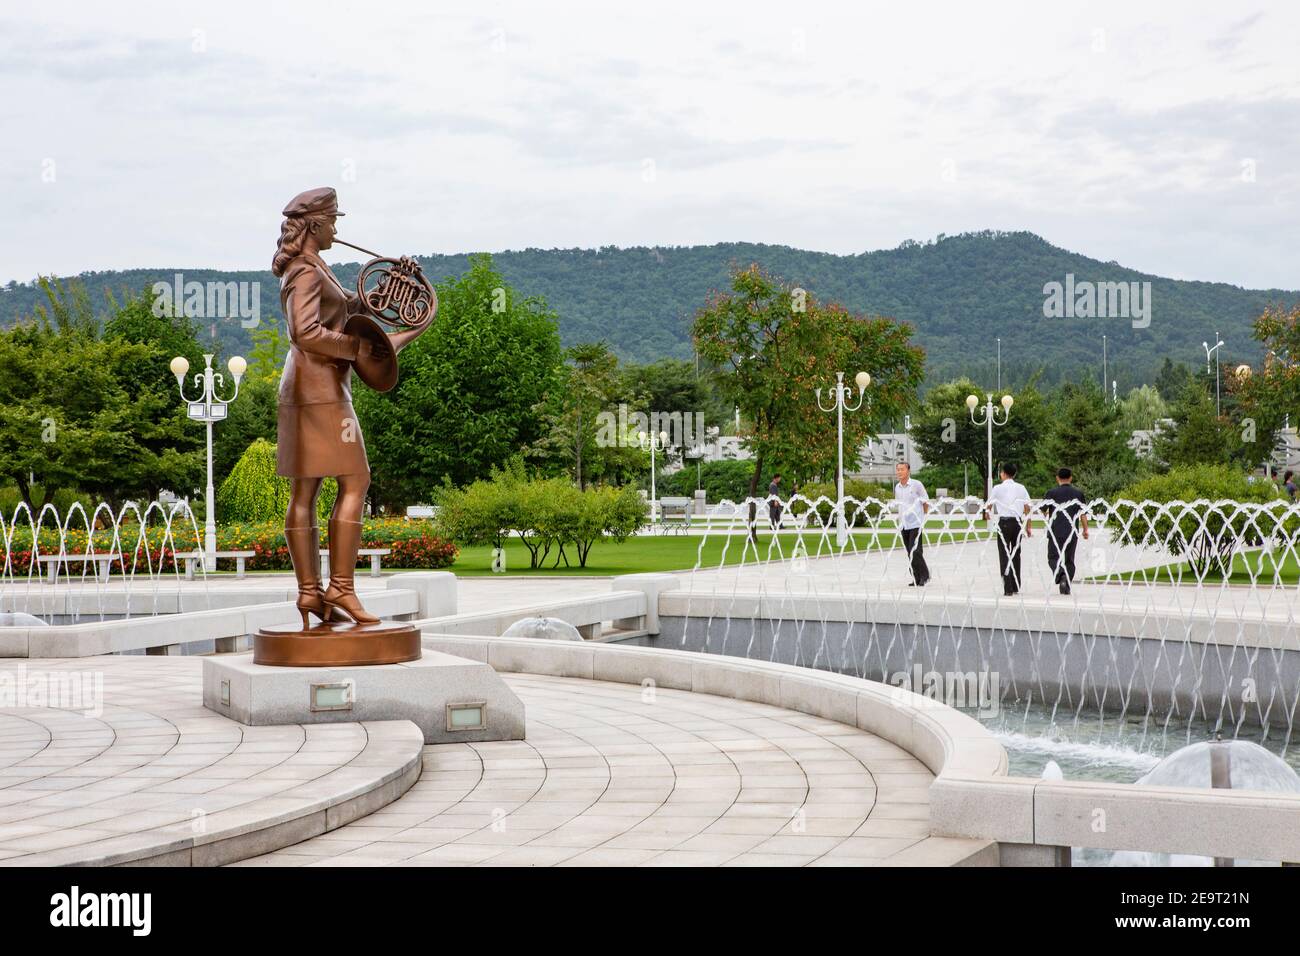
x,y
319,434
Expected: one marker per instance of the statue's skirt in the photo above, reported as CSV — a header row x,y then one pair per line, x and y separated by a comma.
x,y
320,441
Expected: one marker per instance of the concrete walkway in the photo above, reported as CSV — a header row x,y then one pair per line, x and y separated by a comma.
x,y
611,776
115,760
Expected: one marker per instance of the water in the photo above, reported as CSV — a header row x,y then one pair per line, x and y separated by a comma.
x,y
94,566
1096,748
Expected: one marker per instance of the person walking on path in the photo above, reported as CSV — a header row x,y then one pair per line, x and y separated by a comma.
x,y
1288,484
1009,503
774,501
1064,507
913,505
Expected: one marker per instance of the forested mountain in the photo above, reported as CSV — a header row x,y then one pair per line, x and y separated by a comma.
x,y
960,292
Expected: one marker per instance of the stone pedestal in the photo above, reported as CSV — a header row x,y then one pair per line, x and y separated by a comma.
x,y
451,699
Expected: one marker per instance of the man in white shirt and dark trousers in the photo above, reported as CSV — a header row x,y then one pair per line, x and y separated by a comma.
x,y
1009,503
913,504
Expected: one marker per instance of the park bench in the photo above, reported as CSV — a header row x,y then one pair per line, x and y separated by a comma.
x,y
102,563
374,554
675,514
192,559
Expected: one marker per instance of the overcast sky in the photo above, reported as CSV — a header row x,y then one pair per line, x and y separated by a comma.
x,y
1161,135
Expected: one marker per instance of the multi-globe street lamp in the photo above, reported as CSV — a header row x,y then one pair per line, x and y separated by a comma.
x,y
989,420
208,408
655,443
841,398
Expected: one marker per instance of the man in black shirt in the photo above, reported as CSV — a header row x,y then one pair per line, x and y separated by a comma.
x,y
774,502
1064,506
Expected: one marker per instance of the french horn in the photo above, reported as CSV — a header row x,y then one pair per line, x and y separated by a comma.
x,y
394,292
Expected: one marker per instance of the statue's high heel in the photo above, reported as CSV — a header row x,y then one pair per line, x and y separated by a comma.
x,y
341,596
304,550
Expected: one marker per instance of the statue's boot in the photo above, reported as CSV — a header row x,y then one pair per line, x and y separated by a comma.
x,y
341,596
304,549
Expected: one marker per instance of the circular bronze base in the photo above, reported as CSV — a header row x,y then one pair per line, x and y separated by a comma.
x,y
336,645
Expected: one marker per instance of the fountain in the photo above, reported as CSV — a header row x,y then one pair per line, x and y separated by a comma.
x,y
1155,646
1219,765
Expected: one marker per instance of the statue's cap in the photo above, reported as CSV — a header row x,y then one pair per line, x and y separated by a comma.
x,y
322,201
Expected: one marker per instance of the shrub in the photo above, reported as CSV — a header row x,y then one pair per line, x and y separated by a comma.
x,y
861,507
254,492
546,514
1205,512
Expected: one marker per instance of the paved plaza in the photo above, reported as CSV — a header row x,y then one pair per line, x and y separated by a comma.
x,y
609,774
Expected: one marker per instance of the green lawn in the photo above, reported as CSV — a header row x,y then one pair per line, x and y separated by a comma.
x,y
681,552
1248,568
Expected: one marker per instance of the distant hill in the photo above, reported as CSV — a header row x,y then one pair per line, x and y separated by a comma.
x,y
960,293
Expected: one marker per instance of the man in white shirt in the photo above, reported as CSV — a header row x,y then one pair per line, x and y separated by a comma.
x,y
1009,504
913,504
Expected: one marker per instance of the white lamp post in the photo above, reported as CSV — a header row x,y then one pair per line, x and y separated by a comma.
x,y
654,443
208,408
840,395
989,420
1218,343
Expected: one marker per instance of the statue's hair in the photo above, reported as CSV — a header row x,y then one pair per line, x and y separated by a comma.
x,y
293,231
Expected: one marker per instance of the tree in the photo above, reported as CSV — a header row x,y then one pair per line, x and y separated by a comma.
x,y
81,410
1198,435
773,344
464,401
1141,409
947,439
1085,434
1264,398
675,386
584,387
254,492
1173,378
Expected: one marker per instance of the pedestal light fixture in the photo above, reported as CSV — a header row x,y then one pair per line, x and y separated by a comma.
x,y
989,420
841,401
208,408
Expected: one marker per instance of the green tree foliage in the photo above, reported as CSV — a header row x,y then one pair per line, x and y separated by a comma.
x,y
773,345
675,385
81,409
958,291
1141,409
952,446
1086,435
1198,436
252,416
570,414
464,400
270,347
549,515
721,480
1172,379
1263,398
1205,523
253,492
